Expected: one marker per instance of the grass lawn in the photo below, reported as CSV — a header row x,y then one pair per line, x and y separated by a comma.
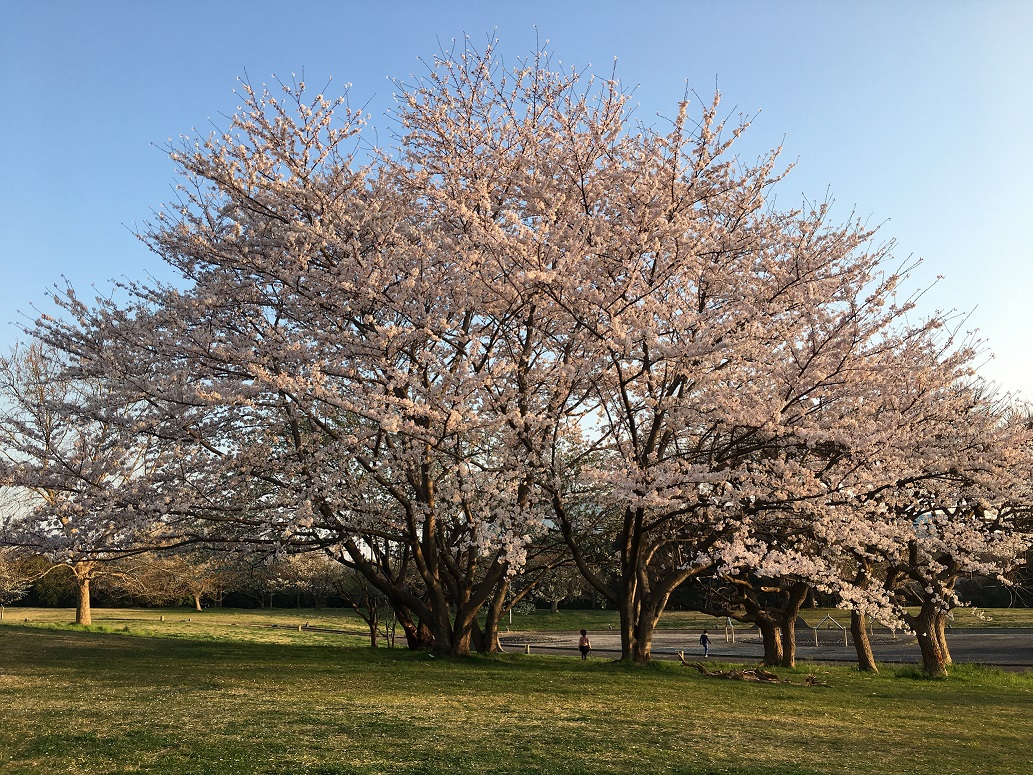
x,y
262,625
219,697
247,624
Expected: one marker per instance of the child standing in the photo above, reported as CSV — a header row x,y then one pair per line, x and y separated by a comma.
x,y
584,645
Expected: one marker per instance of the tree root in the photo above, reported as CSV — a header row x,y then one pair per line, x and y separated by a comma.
x,y
746,674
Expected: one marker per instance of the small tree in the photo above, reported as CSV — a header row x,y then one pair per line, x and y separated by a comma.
x,y
89,484
368,602
16,578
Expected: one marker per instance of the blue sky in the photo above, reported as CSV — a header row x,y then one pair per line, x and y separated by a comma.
x,y
918,115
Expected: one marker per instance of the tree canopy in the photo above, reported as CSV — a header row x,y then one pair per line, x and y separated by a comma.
x,y
535,326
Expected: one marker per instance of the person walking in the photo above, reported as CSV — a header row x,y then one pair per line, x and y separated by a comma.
x,y
704,641
584,645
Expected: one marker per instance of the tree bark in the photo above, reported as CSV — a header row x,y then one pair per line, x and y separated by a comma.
x,y
862,645
772,637
83,614
940,630
930,628
488,638
629,644
787,633
197,602
643,644
417,635
795,599
648,617
462,643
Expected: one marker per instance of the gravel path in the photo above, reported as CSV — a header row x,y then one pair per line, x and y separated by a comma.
x,y
1011,648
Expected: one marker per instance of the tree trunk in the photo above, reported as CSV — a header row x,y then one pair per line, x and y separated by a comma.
x,y
787,633
863,646
934,659
769,631
642,647
930,626
197,603
488,639
466,635
648,617
461,641
417,635
629,645
83,615
940,629
795,599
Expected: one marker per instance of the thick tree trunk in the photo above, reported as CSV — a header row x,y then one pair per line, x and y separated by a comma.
x,y
462,643
466,633
772,638
795,599
930,628
787,633
417,635
862,645
83,615
197,603
642,650
629,641
643,614
940,629
461,640
645,627
934,658
488,638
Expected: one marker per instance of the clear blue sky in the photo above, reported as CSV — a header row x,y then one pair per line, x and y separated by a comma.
x,y
918,114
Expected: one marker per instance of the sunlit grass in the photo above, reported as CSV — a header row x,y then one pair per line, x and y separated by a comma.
x,y
250,625
83,701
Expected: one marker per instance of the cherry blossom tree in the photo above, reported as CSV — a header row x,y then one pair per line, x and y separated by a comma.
x,y
531,312
963,511
90,486
16,577
189,575
325,361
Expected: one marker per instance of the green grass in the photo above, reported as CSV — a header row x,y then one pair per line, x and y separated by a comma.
x,y
227,622
250,625
77,700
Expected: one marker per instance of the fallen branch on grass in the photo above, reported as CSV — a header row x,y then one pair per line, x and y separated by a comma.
x,y
746,674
